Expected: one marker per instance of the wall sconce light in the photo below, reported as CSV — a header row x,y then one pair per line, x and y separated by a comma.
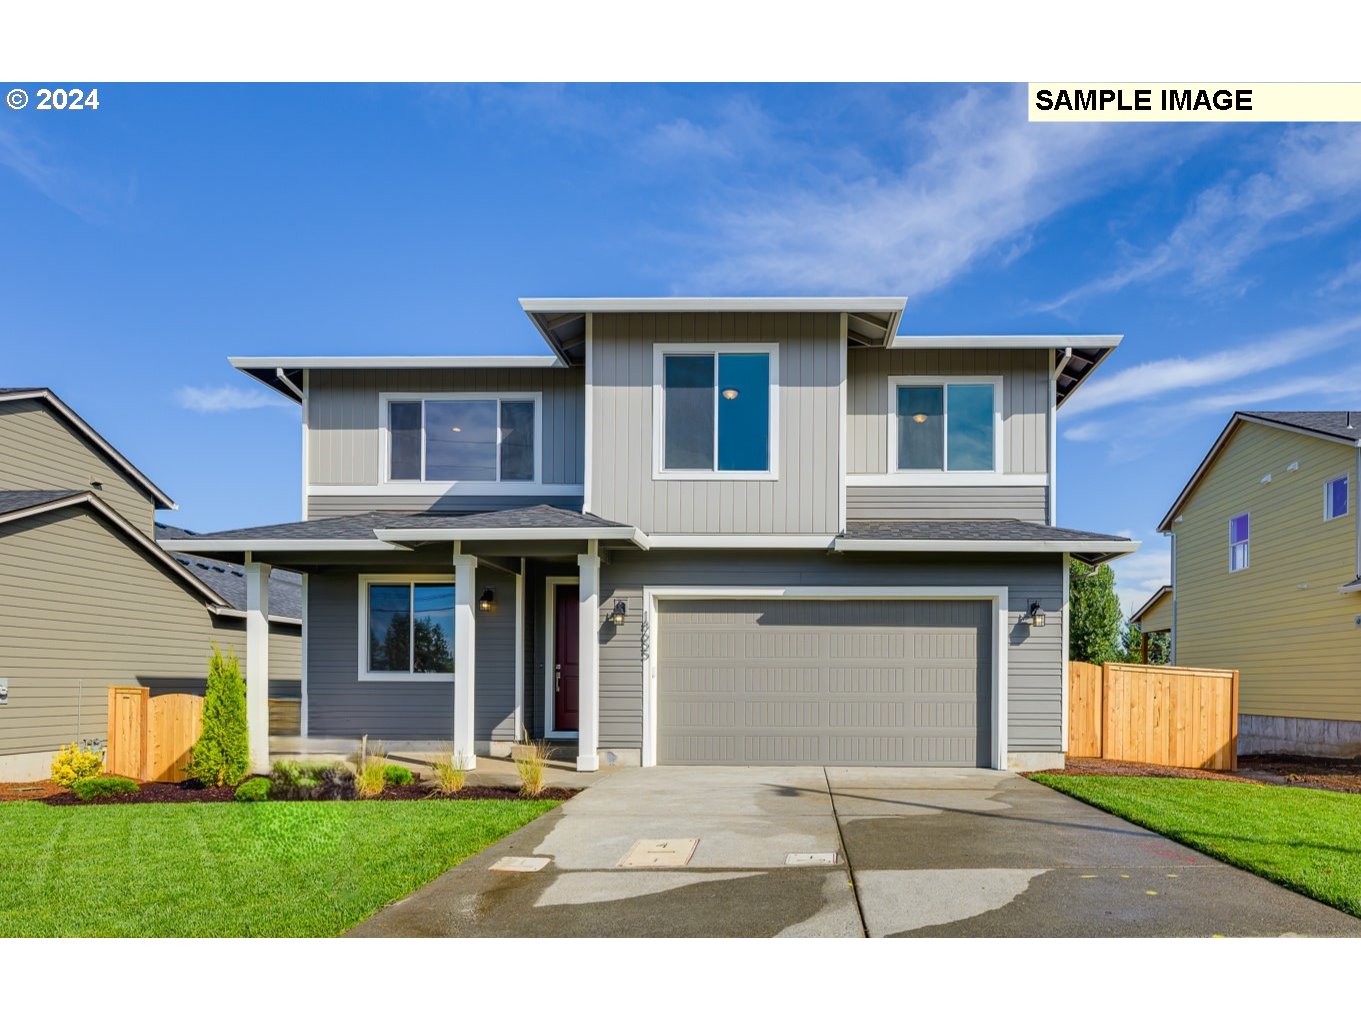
x,y
618,612
487,600
1036,615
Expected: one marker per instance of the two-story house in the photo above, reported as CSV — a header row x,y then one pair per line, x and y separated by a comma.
x,y
1266,576
88,599
701,530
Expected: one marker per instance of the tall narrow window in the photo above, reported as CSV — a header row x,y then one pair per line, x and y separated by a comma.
x,y
1335,498
716,412
947,426
1239,535
462,439
410,628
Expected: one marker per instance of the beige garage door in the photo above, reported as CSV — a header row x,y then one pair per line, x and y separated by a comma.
x,y
802,681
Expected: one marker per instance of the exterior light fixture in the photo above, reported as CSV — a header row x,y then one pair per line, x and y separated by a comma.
x,y
487,600
456,428
618,612
920,419
730,394
1036,615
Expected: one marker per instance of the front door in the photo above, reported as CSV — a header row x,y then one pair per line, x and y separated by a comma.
x,y
565,658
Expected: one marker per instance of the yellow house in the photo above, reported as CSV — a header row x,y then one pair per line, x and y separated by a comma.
x,y
1266,577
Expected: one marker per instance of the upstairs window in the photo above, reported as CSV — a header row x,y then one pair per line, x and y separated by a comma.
x,y
946,425
1239,534
716,411
462,439
1335,498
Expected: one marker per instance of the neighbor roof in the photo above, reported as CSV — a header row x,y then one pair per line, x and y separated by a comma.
x,y
229,579
1148,606
162,501
1328,426
982,536
1075,356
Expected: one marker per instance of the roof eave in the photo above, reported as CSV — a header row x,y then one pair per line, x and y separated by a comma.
x,y
244,545
406,535
1099,549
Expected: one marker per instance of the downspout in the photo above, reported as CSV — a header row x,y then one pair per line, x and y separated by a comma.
x,y
1054,432
1172,641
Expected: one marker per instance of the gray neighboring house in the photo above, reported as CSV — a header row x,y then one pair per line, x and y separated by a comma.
x,y
700,530
89,599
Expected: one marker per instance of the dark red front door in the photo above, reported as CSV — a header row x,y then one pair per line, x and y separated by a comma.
x,y
565,637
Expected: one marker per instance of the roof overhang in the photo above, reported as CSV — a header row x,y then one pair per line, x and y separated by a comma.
x,y
285,375
871,321
1090,551
1076,355
406,536
1151,604
157,494
1354,586
245,545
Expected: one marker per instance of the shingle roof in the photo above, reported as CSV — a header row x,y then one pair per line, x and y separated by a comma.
x,y
229,579
971,531
24,499
1338,424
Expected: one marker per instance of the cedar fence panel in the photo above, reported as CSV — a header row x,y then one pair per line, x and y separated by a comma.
x,y
126,754
150,738
1157,715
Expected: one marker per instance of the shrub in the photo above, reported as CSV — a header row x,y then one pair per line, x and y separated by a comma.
x,y
256,789
73,763
449,776
296,780
370,777
99,787
221,755
530,758
397,775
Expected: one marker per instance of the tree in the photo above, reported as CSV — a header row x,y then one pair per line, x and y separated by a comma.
x,y
1093,614
1159,645
222,752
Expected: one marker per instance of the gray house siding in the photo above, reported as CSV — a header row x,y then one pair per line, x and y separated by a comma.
x,y
341,705
806,497
341,506
930,502
1035,656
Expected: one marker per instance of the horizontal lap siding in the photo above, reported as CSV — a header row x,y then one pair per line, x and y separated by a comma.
x,y
80,610
804,499
946,502
1036,667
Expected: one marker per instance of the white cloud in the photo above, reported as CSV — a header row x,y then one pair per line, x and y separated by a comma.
x,y
740,130
218,399
979,180
77,192
1311,186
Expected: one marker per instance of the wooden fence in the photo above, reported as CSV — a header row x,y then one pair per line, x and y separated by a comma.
x,y
1158,715
150,737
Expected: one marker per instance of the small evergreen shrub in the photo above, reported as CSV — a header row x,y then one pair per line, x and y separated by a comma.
x,y
256,789
296,780
221,755
398,775
73,763
100,787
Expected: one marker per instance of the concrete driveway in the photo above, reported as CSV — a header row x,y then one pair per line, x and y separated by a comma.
x,y
918,852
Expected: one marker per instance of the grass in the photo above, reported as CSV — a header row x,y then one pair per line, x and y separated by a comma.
x,y
275,869
1305,840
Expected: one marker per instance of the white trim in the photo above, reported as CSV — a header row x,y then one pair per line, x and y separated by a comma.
x,y
306,443
551,584
257,664
625,533
1036,545
917,476
240,614
941,479
365,580
447,488
398,361
1328,515
843,418
588,655
588,431
1019,341
740,541
278,545
423,485
874,305
303,705
1172,642
1056,367
661,473
1067,645
465,658
1246,543
520,651
998,595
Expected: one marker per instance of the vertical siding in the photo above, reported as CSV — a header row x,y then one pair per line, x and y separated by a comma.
x,y
80,610
40,450
1282,622
804,499
1025,401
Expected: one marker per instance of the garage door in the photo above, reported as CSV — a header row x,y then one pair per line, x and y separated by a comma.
x,y
801,681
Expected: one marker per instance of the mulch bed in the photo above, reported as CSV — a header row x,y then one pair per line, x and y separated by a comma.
x,y
1342,775
1102,767
185,793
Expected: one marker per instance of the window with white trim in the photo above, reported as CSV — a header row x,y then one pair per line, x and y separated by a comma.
x,y
408,628
473,438
717,410
1240,529
943,425
1336,498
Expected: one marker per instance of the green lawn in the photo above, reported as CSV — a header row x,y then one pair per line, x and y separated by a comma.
x,y
1307,840
231,869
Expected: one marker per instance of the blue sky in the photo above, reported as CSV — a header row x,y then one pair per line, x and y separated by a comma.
x,y
148,240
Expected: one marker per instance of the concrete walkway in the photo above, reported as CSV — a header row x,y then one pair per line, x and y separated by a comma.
x,y
919,852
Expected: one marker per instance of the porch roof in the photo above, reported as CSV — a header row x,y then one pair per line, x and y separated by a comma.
x,y
980,536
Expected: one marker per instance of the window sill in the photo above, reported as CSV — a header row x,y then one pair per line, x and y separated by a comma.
x,y
715,476
406,678
947,478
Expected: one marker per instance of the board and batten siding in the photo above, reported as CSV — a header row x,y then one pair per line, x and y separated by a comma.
x,y
805,499
342,705
40,450
1282,623
82,609
1036,670
344,430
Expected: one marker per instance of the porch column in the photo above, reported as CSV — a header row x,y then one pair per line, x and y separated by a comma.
x,y
257,664
465,664
588,660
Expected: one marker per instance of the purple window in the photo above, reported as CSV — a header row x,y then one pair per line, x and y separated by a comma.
x,y
1335,498
1238,542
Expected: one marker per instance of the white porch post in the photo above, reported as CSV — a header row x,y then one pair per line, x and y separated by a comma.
x,y
257,664
588,660
465,658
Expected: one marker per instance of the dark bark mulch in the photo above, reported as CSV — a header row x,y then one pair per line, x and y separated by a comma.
x,y
1102,767
190,793
1342,775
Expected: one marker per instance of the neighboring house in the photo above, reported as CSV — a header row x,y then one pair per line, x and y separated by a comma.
x,y
88,599
1154,617
1266,553
722,530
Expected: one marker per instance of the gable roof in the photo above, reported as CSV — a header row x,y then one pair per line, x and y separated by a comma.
x,y
1153,601
42,393
1328,426
229,579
